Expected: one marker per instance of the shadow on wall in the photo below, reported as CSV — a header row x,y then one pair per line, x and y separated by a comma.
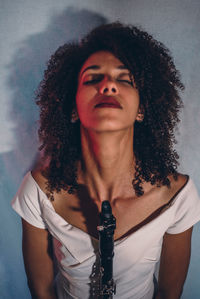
x,y
26,71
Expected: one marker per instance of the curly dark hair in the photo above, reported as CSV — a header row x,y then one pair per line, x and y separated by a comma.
x,y
158,83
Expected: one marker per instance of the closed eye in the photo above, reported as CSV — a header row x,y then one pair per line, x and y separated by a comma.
x,y
126,81
96,78
126,78
93,79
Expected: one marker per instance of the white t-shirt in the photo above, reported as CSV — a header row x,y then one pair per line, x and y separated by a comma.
x,y
76,252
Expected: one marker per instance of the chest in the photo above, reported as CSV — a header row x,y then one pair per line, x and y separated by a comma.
x,y
82,212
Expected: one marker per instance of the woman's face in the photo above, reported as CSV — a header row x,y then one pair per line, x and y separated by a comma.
x,y
106,97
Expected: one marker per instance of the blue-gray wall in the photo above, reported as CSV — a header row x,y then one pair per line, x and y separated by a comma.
x,y
30,32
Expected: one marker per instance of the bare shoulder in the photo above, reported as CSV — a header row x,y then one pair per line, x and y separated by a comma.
x,y
39,178
176,185
42,182
179,183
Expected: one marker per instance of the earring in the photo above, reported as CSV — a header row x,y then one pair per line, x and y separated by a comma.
x,y
140,117
74,117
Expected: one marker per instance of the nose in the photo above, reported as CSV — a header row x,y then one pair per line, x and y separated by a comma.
x,y
108,87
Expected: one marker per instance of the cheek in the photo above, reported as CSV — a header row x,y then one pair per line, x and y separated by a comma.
x,y
80,95
134,100
133,106
82,105
79,99
84,97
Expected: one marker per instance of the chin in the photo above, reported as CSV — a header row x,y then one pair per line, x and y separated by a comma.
x,y
107,126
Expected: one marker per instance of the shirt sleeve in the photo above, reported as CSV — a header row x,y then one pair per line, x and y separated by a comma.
x,y
27,202
186,210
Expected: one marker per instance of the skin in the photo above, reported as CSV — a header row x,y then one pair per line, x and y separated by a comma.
x,y
174,264
105,172
38,261
106,133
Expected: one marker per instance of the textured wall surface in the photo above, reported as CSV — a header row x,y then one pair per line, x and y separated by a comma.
x,y
30,32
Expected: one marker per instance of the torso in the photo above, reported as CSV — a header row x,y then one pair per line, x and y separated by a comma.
x,y
131,213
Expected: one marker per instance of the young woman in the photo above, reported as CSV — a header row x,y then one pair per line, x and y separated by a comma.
x,y
109,106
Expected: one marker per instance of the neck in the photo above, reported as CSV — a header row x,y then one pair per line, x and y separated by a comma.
x,y
107,162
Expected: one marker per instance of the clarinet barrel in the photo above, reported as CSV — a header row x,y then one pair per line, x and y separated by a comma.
x,y
106,250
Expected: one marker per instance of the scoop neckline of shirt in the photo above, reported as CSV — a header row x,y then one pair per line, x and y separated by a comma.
x,y
169,203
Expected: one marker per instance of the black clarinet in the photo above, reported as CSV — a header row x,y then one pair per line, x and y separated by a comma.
x,y
106,251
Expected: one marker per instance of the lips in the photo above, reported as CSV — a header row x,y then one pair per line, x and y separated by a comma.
x,y
108,102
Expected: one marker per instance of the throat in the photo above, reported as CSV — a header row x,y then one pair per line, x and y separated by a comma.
x,y
106,150
107,164
108,184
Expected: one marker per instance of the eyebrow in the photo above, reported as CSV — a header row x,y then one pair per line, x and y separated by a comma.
x,y
97,67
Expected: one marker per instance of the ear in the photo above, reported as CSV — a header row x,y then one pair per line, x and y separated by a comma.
x,y
140,115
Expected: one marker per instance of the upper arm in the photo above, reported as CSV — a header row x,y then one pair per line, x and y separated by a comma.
x,y
175,258
38,260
